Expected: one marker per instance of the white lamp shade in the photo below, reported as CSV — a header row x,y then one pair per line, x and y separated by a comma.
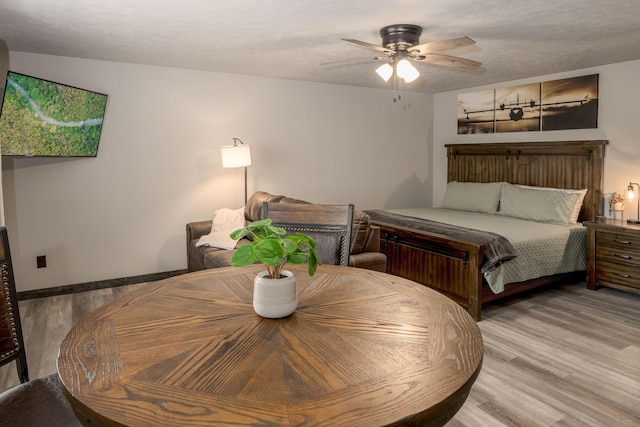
x,y
407,71
236,156
409,77
385,71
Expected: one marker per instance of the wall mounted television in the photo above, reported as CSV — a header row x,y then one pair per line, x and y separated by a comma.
x,y
40,118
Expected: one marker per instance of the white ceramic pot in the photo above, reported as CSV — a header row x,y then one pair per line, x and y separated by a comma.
x,y
275,298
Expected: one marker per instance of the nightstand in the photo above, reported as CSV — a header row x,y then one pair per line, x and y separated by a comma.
x,y
613,255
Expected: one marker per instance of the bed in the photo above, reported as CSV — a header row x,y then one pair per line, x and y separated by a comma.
x,y
463,263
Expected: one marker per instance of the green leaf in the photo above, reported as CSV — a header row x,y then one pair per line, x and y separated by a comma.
x,y
314,261
306,240
239,234
269,251
243,256
297,258
259,223
277,230
290,245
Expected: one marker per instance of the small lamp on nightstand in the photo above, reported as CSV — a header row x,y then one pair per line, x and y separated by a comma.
x,y
631,195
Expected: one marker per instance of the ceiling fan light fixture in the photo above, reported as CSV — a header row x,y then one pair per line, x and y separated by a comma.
x,y
407,71
401,46
385,71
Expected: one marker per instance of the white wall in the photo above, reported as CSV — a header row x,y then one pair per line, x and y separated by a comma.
x,y
617,123
124,212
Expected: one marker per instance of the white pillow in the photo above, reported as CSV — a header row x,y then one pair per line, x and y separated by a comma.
x,y
573,219
554,207
225,221
473,196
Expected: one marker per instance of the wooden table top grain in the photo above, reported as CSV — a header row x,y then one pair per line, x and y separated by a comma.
x,y
362,348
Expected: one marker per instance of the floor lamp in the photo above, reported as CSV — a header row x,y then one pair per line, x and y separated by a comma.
x,y
237,155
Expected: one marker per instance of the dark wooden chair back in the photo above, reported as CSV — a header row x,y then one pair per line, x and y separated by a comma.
x,y
329,225
11,340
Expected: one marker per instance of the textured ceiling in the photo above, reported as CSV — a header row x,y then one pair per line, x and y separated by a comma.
x,y
290,39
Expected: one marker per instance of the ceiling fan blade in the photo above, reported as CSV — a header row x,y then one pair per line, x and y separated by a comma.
x,y
448,61
370,46
354,61
441,45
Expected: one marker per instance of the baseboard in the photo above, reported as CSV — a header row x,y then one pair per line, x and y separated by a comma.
x,y
100,284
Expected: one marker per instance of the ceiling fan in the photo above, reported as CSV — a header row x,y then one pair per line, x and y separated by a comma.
x,y
400,47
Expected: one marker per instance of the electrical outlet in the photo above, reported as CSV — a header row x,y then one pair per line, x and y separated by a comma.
x,y
41,261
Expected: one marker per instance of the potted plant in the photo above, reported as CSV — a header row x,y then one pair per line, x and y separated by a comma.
x,y
616,204
617,199
274,291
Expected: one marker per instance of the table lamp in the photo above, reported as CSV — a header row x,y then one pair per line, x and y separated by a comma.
x,y
631,195
237,155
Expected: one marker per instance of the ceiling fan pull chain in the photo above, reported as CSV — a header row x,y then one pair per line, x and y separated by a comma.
x,y
395,85
397,96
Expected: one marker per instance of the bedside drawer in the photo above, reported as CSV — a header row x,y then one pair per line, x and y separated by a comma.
x,y
626,242
617,273
615,254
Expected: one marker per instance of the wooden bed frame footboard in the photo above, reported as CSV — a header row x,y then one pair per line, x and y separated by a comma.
x,y
450,266
453,266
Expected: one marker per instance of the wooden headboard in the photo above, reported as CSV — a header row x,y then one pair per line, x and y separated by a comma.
x,y
558,164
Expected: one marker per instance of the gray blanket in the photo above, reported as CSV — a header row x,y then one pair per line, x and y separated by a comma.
x,y
498,249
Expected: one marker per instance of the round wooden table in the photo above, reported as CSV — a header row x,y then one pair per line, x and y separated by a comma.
x,y
363,348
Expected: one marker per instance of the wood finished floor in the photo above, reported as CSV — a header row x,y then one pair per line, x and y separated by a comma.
x,y
562,356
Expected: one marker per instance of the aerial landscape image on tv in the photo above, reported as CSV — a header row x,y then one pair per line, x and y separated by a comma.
x,y
43,118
